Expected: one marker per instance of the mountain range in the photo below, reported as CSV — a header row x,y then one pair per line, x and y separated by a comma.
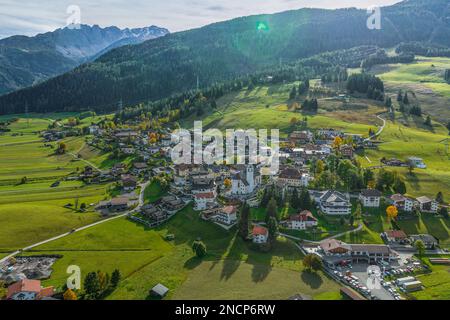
x,y
221,51
25,61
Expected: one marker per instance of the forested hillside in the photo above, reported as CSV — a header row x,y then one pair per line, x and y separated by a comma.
x,y
223,51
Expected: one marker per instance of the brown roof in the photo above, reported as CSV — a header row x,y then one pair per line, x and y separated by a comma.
x,y
290,173
397,234
206,195
119,201
371,193
303,216
332,244
24,285
229,210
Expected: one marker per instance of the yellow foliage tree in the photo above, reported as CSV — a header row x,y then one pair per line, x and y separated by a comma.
x,y
392,212
227,183
337,143
70,295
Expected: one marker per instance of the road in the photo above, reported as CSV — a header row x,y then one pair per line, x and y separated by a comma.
x,y
140,204
380,130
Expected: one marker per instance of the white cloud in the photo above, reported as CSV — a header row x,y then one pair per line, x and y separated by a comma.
x,y
30,17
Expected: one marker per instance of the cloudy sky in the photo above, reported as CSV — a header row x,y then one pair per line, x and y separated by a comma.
x,y
29,17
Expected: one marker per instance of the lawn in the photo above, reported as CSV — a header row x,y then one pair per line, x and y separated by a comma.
x,y
145,259
436,283
154,192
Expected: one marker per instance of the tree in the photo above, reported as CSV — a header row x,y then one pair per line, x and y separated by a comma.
x,y
227,183
320,167
312,262
420,247
115,278
272,210
428,121
358,212
272,226
199,248
244,221
337,143
400,96
62,147
399,186
70,295
293,93
406,99
23,180
440,197
391,212
305,200
295,200
103,280
92,285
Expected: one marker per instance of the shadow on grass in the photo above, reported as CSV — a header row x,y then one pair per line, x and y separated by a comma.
x,y
312,279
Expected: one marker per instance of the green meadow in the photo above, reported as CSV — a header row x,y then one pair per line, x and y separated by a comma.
x,y
145,259
436,284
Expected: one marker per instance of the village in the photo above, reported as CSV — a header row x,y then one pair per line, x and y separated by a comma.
x,y
221,193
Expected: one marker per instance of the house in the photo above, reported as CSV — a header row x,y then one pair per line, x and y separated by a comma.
x,y
394,236
347,151
370,198
126,135
428,240
300,137
301,221
118,169
139,167
335,203
293,178
417,162
202,185
203,201
159,291
427,205
245,180
127,150
129,182
118,204
153,213
172,204
227,215
28,290
260,235
336,251
402,203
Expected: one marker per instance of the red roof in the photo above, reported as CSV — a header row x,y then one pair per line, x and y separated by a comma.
x,y
260,231
206,195
303,216
397,234
24,285
229,210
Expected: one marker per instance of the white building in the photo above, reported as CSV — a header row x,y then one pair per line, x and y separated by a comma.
x,y
204,200
227,215
402,203
245,180
301,221
370,198
427,205
260,235
335,203
417,162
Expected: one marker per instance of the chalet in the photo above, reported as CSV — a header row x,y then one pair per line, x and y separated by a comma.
x,y
293,178
347,151
428,240
126,135
427,205
127,150
301,221
402,203
260,235
370,198
139,167
119,204
333,246
118,169
394,236
172,204
227,215
153,213
28,290
203,201
129,182
334,203
300,137
201,185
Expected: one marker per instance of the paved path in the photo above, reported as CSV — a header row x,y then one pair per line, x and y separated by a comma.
x,y
380,130
141,203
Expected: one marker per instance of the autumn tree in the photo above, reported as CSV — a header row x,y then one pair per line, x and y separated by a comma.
x,y
392,212
70,295
420,247
312,262
337,143
227,183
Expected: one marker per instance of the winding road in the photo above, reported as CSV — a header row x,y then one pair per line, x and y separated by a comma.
x,y
380,130
141,203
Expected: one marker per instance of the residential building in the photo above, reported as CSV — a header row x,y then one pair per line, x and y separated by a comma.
x,y
260,235
129,182
347,151
417,162
301,221
370,198
402,203
203,201
394,236
335,203
28,290
428,240
427,205
227,215
300,137
293,178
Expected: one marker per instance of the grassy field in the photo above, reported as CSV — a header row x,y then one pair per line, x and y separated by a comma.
x,y
145,259
425,78
437,283
34,211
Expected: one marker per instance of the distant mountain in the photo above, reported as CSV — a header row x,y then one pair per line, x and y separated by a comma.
x,y
25,61
221,51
